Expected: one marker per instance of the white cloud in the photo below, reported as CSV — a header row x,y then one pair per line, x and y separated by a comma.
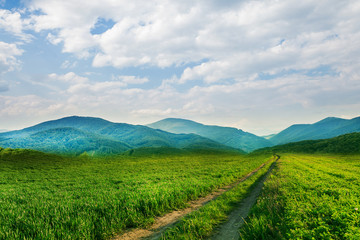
x,y
154,112
82,85
53,39
14,24
246,97
79,84
28,105
8,54
70,77
67,64
130,79
243,104
238,39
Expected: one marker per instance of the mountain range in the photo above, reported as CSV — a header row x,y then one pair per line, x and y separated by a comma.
x,y
326,128
232,137
76,135
98,136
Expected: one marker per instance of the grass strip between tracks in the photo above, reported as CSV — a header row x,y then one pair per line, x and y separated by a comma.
x,y
200,224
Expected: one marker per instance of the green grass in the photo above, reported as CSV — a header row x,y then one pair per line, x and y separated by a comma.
x,y
200,224
44,196
309,197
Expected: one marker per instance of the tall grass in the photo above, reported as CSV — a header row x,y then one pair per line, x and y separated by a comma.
x,y
50,197
309,197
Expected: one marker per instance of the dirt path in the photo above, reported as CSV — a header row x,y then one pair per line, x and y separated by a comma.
x,y
168,220
230,229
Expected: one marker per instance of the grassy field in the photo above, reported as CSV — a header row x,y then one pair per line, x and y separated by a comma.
x,y
309,197
45,196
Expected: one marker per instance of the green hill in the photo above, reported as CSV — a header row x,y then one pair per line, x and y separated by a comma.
x,y
98,136
27,158
345,144
228,136
326,128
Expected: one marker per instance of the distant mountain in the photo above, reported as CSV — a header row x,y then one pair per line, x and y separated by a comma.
x,y
344,144
326,128
228,136
98,136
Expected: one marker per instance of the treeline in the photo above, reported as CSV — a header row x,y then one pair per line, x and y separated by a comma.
x,y
345,144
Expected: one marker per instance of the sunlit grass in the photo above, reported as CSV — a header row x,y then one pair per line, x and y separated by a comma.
x,y
50,197
309,197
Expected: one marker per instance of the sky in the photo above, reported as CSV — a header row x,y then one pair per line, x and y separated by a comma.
x,y
260,66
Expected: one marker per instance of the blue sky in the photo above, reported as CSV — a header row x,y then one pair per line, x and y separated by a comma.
x,y
256,65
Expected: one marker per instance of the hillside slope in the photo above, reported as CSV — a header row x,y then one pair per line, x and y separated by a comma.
x,y
66,140
345,144
326,128
228,136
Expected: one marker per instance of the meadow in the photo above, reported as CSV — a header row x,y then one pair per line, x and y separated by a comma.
x,y
308,197
45,196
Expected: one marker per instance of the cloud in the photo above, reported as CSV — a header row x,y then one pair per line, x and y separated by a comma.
x,y
154,112
83,86
12,22
78,83
67,64
245,104
28,105
236,39
69,77
53,39
78,87
8,54
130,79
284,92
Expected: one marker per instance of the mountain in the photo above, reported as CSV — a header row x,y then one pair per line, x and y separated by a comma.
x,y
69,140
344,144
326,128
228,136
98,136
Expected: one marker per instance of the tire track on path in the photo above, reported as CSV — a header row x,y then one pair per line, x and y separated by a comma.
x,y
168,220
230,229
